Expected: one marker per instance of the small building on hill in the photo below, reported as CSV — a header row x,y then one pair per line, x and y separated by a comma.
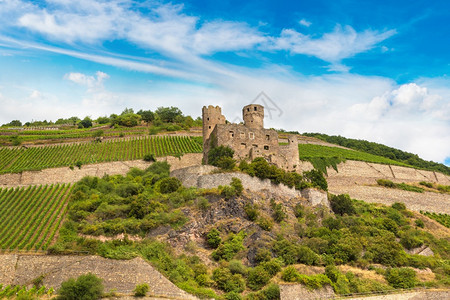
x,y
248,140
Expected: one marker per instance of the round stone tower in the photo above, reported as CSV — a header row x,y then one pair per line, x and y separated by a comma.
x,y
211,116
253,115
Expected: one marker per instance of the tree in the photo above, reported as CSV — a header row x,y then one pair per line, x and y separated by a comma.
x,y
85,287
86,122
342,204
217,153
146,115
15,123
168,114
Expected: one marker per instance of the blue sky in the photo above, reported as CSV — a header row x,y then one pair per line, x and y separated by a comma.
x,y
374,70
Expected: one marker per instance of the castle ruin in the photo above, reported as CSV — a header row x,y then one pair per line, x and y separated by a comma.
x,y
248,140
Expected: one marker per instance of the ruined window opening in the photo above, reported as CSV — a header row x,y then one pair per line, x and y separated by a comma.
x,y
248,109
242,135
243,145
207,119
267,137
231,134
251,135
209,127
255,108
255,146
266,147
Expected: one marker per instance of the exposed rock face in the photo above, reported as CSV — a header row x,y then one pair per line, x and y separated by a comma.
x,y
201,177
122,275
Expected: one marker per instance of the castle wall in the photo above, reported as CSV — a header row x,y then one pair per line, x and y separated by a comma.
x,y
247,142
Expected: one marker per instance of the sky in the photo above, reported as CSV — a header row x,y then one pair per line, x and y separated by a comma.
x,y
374,70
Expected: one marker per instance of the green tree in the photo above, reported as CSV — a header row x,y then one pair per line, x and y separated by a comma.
x,y
146,115
141,290
217,153
342,204
86,123
168,114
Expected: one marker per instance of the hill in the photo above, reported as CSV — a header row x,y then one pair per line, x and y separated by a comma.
x,y
384,151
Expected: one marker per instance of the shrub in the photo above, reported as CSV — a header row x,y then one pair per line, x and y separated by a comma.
x,y
410,240
398,206
342,204
290,274
236,183
299,210
272,266
203,203
265,223
257,278
213,238
263,254
169,185
419,223
278,211
226,163
401,278
78,164
233,296
149,157
236,267
427,184
228,249
141,290
228,282
251,211
228,192
316,178
216,153
85,287
386,183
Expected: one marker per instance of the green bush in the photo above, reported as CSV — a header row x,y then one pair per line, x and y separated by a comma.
x,y
272,266
265,223
290,274
386,183
257,278
228,249
213,238
141,290
251,211
278,213
217,153
236,183
228,192
401,278
236,267
410,240
225,163
150,157
419,223
399,206
299,210
342,204
85,287
169,185
316,178
427,184
228,282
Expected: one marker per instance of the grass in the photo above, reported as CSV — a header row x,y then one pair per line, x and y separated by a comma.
x,y
443,219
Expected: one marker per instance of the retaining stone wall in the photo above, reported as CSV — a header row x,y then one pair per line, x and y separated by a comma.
x,y
122,275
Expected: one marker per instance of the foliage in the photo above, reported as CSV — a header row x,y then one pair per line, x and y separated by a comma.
x,y
401,278
290,274
169,185
213,238
265,223
236,183
225,163
257,278
342,204
150,157
388,155
227,281
444,219
251,211
217,154
401,186
230,247
141,290
85,287
85,123
168,114
278,211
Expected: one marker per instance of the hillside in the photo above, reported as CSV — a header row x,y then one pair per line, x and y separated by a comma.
x,y
228,241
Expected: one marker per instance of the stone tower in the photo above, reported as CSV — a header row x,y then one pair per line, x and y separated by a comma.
x,y
211,116
253,115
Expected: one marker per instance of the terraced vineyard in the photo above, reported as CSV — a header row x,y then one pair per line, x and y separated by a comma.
x,y
37,158
309,151
30,217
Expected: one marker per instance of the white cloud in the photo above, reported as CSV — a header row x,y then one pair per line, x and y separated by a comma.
x,y
304,23
93,83
35,94
343,42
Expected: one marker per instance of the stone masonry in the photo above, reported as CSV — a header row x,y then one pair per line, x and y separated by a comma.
x,y
122,275
248,140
